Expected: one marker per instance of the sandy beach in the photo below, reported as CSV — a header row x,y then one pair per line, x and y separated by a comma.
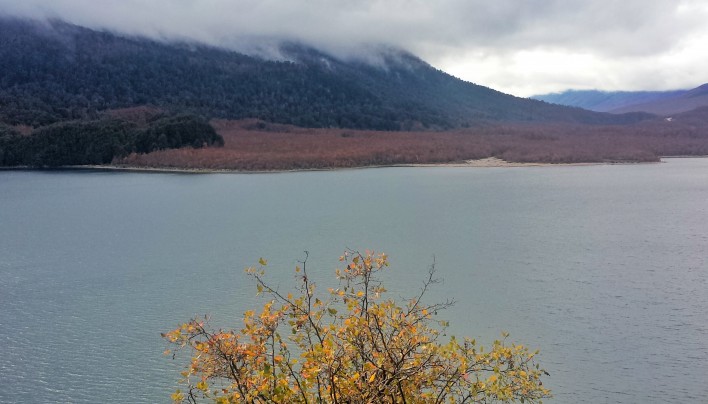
x,y
489,162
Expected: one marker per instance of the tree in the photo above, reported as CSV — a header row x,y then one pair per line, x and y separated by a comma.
x,y
352,346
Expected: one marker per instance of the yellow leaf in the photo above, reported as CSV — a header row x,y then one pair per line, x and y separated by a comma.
x,y
177,396
372,377
262,262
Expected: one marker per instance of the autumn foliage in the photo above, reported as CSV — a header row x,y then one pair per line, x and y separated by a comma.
x,y
350,345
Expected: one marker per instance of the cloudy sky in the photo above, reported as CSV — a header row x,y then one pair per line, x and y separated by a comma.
x,y
522,47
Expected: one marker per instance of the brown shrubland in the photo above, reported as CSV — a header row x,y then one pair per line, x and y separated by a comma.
x,y
252,145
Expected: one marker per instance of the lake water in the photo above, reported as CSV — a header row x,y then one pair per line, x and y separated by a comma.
x,y
602,268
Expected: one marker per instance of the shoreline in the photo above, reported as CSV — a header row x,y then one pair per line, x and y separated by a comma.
x,y
489,162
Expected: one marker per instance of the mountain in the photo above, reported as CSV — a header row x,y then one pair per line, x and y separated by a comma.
x,y
682,102
54,71
605,101
620,102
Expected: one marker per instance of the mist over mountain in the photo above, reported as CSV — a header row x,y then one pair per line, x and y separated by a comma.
x,y
54,71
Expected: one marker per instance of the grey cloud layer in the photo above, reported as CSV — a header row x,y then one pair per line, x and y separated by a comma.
x,y
433,29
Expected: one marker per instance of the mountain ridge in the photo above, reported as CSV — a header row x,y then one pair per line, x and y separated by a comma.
x,y
654,102
603,101
683,102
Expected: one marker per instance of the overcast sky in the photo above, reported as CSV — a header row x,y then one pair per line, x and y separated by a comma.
x,y
522,47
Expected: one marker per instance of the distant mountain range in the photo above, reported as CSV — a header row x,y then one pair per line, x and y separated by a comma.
x,y
683,102
654,102
54,71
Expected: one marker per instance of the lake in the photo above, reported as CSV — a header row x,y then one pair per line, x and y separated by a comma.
x,y
603,268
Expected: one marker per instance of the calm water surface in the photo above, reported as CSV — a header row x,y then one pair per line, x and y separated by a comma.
x,y
603,268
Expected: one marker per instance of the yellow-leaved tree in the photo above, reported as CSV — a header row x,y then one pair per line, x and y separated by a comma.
x,y
351,345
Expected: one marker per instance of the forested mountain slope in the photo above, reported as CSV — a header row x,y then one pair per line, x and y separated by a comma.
x,y
53,71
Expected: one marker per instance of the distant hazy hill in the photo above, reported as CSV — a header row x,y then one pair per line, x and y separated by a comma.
x,y
54,71
654,102
682,102
605,101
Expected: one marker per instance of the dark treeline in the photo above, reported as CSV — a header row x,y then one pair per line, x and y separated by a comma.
x,y
99,141
51,72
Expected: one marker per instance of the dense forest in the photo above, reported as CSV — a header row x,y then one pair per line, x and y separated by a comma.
x,y
99,141
53,71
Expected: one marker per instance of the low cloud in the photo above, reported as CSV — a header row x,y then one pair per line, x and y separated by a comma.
x,y
522,47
